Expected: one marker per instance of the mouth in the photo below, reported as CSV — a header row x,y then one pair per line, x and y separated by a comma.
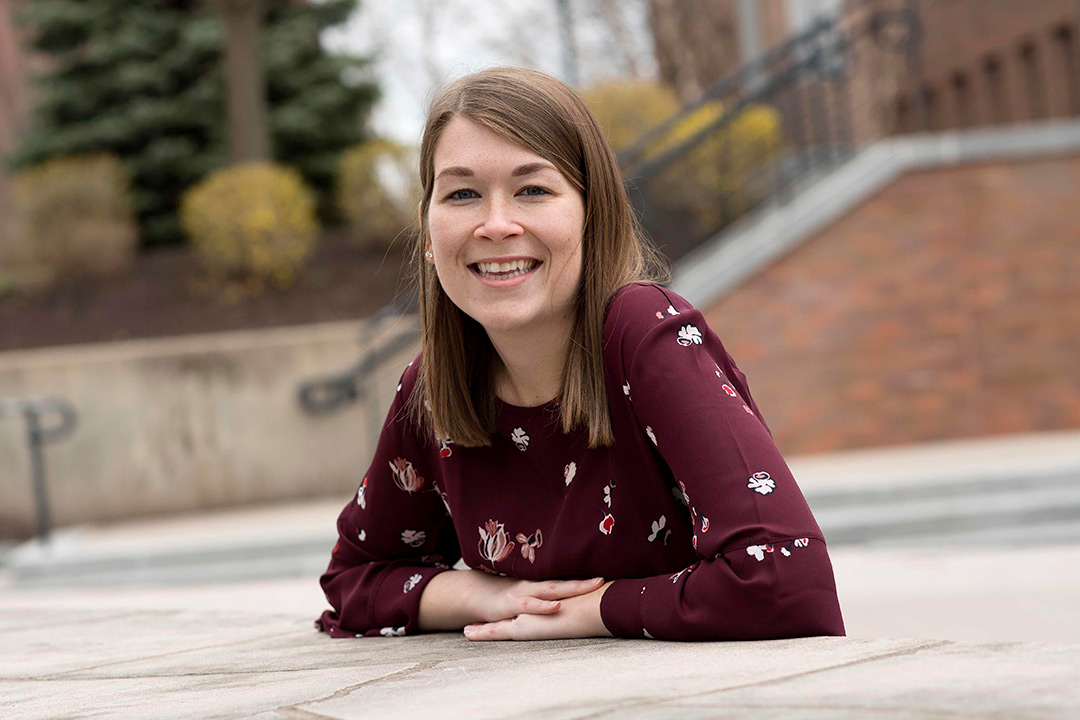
x,y
504,271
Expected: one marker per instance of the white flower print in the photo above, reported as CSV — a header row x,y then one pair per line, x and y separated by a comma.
x,y
520,438
412,582
659,530
759,551
392,631
649,432
495,543
362,535
798,543
569,471
405,475
760,482
671,310
607,496
689,335
684,496
399,387
413,538
719,372
747,409
529,544
626,390
704,524
647,634
361,495
802,542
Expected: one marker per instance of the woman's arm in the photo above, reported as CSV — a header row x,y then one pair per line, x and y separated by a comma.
x,y
508,609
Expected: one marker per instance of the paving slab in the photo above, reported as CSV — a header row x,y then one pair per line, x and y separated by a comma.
x,y
232,664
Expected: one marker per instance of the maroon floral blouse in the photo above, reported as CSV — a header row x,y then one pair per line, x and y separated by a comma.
x,y
693,512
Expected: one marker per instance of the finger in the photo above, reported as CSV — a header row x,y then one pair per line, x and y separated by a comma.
x,y
536,606
559,589
492,631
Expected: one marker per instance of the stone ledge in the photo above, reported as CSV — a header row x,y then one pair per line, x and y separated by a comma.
x,y
124,663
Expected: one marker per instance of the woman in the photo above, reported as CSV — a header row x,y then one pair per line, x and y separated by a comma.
x,y
572,430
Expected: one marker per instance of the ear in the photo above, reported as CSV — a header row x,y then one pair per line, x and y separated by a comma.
x,y
427,241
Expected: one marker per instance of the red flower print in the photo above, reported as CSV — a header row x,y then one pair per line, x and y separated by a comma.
x,y
529,545
444,447
495,544
405,476
730,390
607,524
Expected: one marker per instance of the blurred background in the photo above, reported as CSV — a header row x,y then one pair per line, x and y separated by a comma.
x,y
205,213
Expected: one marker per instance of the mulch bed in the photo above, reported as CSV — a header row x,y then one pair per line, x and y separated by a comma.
x,y
167,294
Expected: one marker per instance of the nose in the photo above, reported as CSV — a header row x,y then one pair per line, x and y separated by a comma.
x,y
498,222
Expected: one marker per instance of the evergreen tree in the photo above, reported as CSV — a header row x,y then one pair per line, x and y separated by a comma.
x,y
145,80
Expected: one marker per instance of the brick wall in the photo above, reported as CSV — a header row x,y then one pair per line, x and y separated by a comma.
x,y
947,306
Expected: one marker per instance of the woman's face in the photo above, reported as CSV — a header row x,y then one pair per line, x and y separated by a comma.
x,y
505,229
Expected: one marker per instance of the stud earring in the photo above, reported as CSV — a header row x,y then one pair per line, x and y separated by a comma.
x,y
428,254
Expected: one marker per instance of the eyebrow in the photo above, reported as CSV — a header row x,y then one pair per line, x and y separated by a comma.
x,y
519,171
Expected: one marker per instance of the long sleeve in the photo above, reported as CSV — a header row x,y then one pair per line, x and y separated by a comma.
x,y
394,535
762,570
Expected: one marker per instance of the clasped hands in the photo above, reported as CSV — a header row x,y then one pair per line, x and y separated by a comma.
x,y
545,610
493,607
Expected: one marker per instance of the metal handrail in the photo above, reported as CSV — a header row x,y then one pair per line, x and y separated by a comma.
x,y
321,396
38,434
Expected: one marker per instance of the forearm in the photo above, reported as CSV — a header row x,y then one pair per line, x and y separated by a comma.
x,y
448,602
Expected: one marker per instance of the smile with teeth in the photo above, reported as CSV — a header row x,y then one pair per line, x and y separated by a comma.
x,y
506,270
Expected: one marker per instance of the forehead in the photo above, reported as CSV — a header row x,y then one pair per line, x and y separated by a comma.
x,y
466,143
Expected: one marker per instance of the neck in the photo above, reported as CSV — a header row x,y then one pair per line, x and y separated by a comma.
x,y
529,363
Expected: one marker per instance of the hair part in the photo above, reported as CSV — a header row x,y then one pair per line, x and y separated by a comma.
x,y
454,396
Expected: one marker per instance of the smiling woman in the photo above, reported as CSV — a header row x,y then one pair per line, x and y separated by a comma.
x,y
571,430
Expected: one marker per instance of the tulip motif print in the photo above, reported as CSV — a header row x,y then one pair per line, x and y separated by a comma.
x,y
495,544
405,475
689,335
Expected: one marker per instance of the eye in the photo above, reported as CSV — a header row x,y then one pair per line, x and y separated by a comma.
x,y
534,191
464,194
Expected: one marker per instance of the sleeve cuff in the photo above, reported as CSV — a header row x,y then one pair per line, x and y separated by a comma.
x,y
396,602
620,608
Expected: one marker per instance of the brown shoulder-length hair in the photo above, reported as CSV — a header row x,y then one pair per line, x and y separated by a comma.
x,y
455,385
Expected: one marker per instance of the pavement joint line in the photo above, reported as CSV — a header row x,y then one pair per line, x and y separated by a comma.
x,y
73,621
345,691
291,711
639,702
63,674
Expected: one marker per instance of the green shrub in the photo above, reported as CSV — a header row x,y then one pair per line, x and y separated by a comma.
x,y
72,219
378,191
252,223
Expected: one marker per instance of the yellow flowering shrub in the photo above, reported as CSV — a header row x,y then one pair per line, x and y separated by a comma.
x,y
378,191
726,173
252,222
626,109
71,219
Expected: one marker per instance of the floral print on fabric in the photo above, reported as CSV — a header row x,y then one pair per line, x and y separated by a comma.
x,y
689,335
660,314
520,438
361,495
659,531
444,447
569,471
761,482
529,544
652,436
413,538
392,631
495,544
607,524
412,582
405,475
626,390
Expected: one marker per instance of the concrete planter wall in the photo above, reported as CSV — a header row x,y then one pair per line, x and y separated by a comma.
x,y
191,423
